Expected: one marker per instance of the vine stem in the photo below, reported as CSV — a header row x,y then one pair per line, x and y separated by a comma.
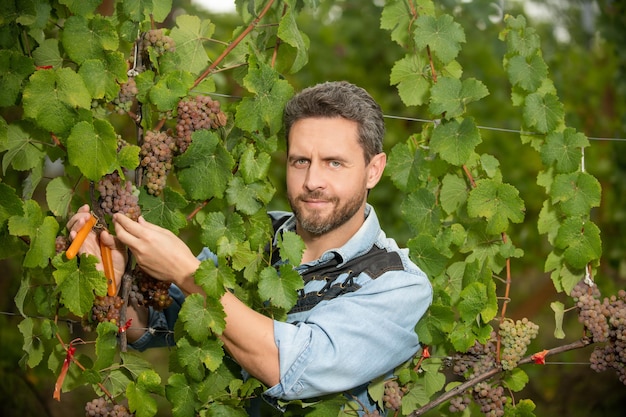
x,y
459,389
233,44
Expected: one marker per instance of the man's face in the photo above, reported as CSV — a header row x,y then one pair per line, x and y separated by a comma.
x,y
327,178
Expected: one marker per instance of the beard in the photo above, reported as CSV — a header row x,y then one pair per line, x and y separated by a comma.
x,y
317,223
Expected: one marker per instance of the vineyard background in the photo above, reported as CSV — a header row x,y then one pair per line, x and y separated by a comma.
x,y
588,68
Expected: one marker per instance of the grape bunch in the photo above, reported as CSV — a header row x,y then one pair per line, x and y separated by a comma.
x,y
393,393
196,113
490,398
126,97
478,359
459,403
61,244
99,407
157,152
606,322
592,313
515,338
148,291
118,196
158,41
106,308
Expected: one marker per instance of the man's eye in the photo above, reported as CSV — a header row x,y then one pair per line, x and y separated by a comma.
x,y
335,164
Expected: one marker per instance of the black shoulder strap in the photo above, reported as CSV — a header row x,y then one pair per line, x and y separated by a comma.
x,y
374,263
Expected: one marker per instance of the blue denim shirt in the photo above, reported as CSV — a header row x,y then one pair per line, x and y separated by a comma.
x,y
340,344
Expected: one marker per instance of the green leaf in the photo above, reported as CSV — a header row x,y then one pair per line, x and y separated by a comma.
x,y
421,211
427,255
254,167
78,285
140,400
52,97
265,108
434,327
102,76
32,344
81,7
564,150
47,54
455,142
543,112
396,17
85,39
200,319
249,198
215,226
521,40
106,344
164,212
498,203
450,95
41,230
559,312
14,69
205,167
288,32
454,193
10,204
170,88
580,241
409,74
516,380
527,72
59,193
576,193
523,408
189,34
181,395
93,148
280,289
209,353
473,300
291,247
25,146
442,34
213,279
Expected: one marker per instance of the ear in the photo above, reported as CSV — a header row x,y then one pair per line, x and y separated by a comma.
x,y
375,169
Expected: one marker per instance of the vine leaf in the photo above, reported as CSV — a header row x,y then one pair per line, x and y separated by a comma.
x,y
254,167
442,34
182,396
189,34
413,86
10,204
576,194
543,112
85,39
14,69
280,289
52,97
454,193
455,142
396,17
47,54
291,247
520,39
32,345
428,257
249,198
564,150
25,146
200,319
93,148
170,88
59,193
140,400
209,353
205,167
106,345
421,212
450,95
164,212
516,379
580,241
41,230
78,283
102,76
288,32
559,312
215,226
265,108
437,323
527,72
498,203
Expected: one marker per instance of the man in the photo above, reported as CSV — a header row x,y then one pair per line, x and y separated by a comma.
x,y
362,298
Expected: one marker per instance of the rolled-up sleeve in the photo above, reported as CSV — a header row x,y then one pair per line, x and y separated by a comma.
x,y
352,339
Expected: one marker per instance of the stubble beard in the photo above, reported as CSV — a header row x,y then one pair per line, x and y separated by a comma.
x,y
317,223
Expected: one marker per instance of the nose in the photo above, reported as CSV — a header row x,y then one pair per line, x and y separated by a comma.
x,y
314,178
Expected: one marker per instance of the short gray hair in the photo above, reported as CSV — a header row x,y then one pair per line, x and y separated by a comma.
x,y
340,99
